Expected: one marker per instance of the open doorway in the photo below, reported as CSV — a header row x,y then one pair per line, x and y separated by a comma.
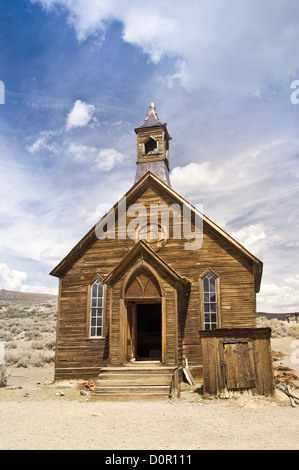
x,y
149,328
144,331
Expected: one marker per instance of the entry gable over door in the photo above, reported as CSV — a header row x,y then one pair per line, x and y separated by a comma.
x,y
143,277
142,254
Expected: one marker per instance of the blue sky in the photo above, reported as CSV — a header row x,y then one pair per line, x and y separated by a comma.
x,y
80,75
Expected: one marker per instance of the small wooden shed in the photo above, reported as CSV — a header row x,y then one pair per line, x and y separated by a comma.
x,y
237,359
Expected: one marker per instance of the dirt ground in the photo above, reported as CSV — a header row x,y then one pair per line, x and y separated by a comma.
x,y
42,416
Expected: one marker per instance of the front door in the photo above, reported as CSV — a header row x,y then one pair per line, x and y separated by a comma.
x,y
144,333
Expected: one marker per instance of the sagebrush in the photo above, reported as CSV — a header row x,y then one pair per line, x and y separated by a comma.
x,y
28,331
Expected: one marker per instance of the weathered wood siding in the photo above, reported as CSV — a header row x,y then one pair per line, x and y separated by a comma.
x,y
236,306
159,137
237,359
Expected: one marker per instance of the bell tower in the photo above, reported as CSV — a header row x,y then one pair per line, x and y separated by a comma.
x,y
153,147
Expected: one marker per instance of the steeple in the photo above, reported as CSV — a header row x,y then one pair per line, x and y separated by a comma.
x,y
153,147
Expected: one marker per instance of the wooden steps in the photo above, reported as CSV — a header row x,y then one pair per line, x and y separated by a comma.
x,y
138,381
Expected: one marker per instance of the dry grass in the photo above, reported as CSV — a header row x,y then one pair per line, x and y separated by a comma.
x,y
279,328
28,328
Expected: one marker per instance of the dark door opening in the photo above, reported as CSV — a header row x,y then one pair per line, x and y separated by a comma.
x,y
149,331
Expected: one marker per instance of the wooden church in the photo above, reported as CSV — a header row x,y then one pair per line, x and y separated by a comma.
x,y
134,293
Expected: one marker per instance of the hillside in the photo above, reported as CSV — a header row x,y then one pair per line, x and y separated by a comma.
x,y
25,299
27,328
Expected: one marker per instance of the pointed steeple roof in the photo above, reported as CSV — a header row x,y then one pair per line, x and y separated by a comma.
x,y
152,119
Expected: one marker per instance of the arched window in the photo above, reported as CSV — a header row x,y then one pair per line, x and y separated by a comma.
x,y
210,302
96,309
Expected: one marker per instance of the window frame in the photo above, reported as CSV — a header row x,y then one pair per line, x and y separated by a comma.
x,y
89,309
203,323
146,152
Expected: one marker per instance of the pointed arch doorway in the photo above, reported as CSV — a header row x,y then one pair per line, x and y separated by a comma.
x,y
144,332
143,300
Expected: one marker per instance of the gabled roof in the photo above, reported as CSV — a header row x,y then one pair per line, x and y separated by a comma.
x,y
149,179
142,251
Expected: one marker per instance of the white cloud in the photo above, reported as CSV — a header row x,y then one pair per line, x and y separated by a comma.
x,y
39,289
82,153
294,281
11,279
107,159
257,238
236,46
195,177
279,298
207,177
80,115
93,216
53,254
43,143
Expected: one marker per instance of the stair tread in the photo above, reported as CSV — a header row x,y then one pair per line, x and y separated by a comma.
x,y
109,397
134,381
139,386
131,392
160,377
137,369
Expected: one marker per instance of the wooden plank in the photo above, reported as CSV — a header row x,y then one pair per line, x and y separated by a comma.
x,y
236,289
231,366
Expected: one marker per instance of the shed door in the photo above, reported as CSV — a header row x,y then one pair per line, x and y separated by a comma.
x,y
239,365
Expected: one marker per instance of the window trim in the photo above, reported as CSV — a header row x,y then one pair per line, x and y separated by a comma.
x,y
89,299
201,296
150,152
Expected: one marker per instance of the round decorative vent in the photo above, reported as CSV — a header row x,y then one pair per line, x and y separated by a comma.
x,y
153,234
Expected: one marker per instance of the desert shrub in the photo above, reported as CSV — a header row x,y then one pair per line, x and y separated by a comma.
x,y
33,334
42,358
50,344
46,343
4,335
37,360
23,362
4,324
24,359
294,331
47,305
37,345
48,326
10,358
262,322
19,358
279,329
48,357
3,376
14,312
27,358
15,329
